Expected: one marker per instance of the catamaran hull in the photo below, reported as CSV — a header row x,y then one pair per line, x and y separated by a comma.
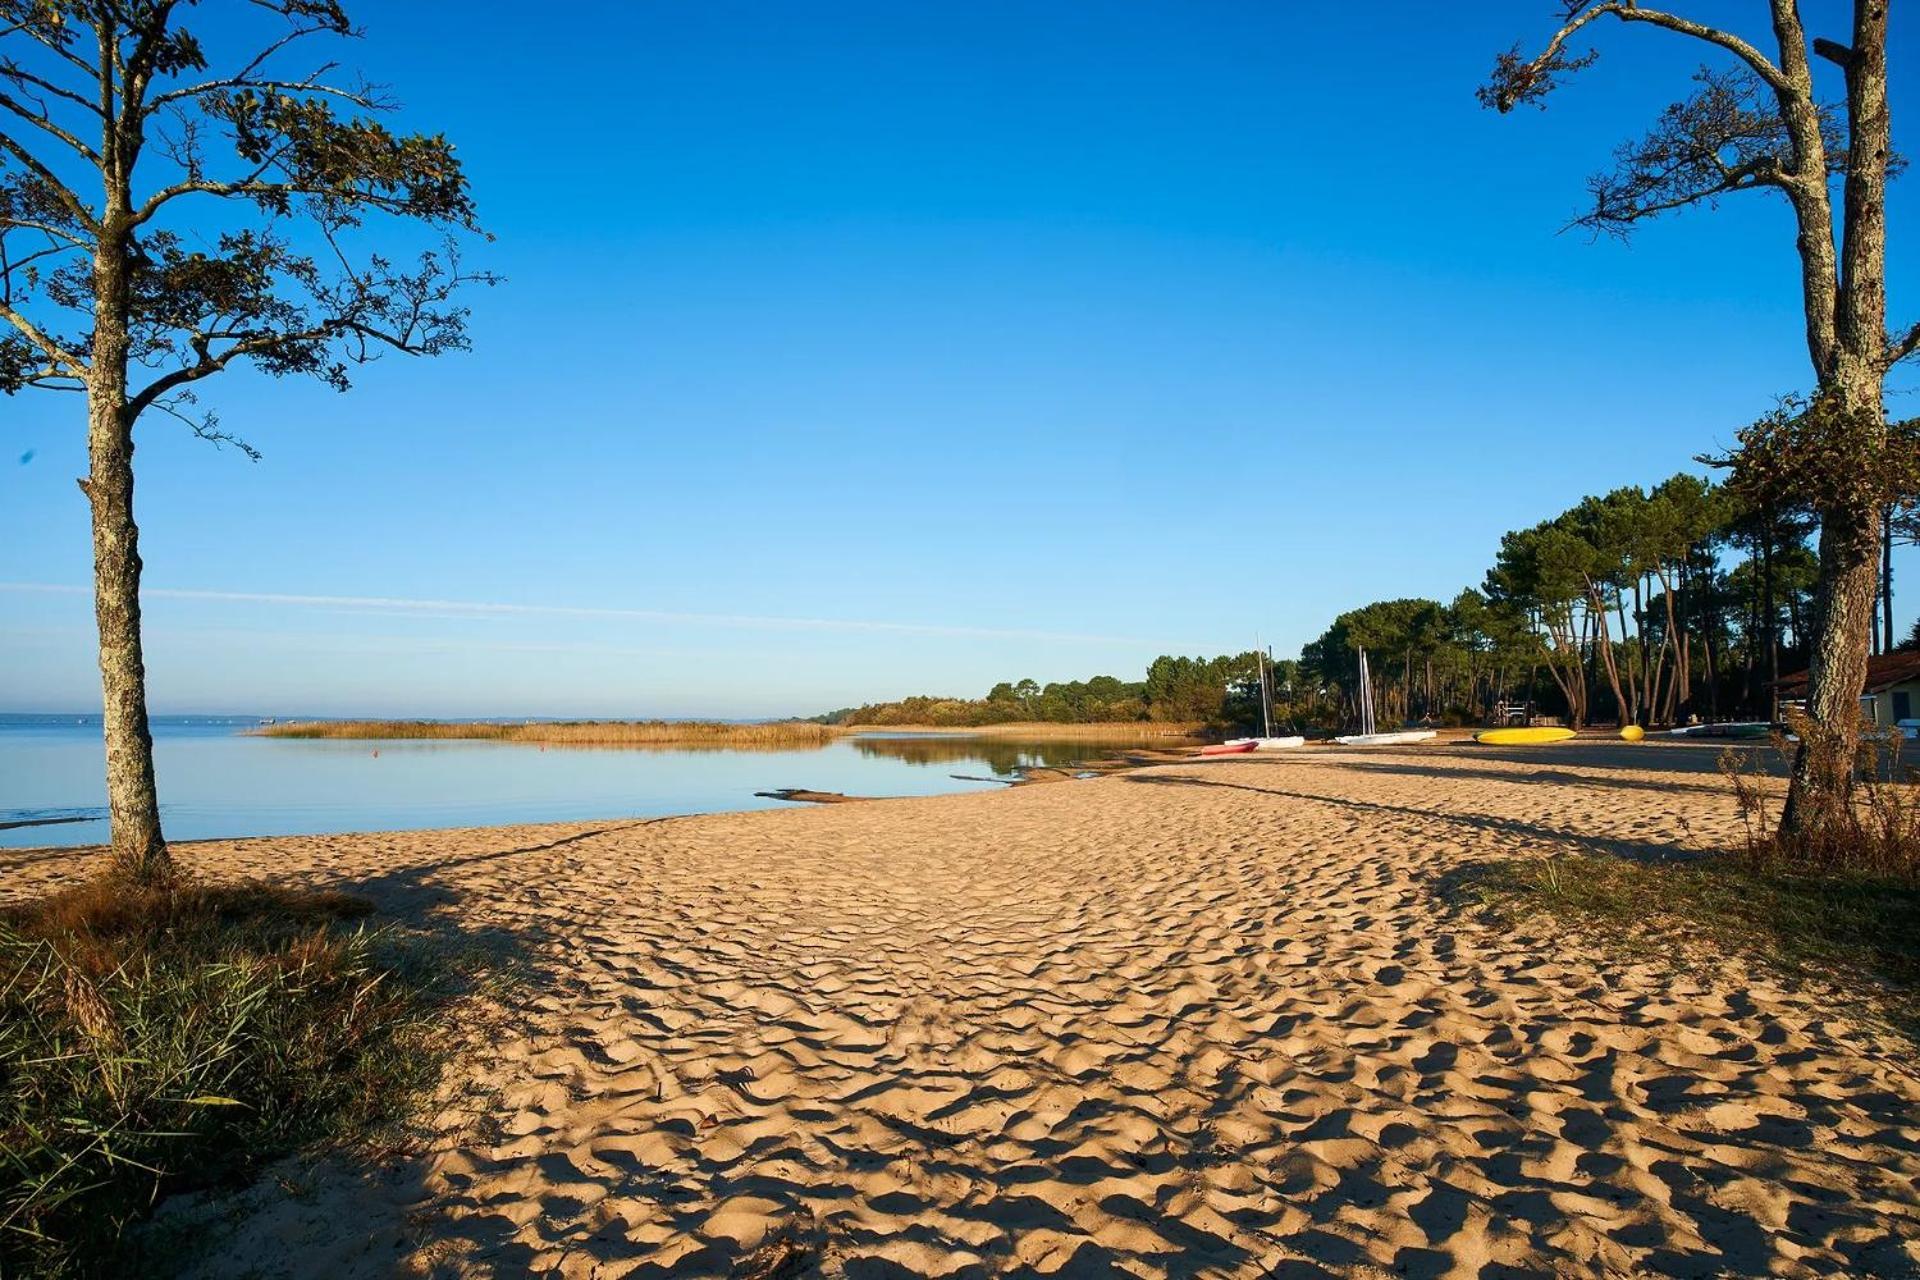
x,y
1730,729
1386,739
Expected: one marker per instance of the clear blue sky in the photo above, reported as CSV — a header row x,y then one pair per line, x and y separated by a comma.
x,y
852,350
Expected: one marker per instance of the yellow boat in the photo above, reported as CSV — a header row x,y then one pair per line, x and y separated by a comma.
x,y
1521,737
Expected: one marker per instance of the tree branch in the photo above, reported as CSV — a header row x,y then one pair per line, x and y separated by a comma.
x,y
206,426
210,363
45,176
312,84
1762,66
1833,51
39,33
10,222
11,70
56,354
1729,136
253,187
1903,347
9,265
52,380
45,124
1517,80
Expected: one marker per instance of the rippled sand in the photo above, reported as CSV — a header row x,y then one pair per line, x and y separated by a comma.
x,y
1212,1019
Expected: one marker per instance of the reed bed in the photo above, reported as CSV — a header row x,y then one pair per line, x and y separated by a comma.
x,y
611,733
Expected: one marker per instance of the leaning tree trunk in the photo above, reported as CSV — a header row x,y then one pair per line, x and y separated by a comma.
x,y
133,802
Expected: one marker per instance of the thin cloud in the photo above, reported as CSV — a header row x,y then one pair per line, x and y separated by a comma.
x,y
486,609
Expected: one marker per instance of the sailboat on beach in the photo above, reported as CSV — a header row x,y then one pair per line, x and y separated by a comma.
x,y
1266,741
1368,735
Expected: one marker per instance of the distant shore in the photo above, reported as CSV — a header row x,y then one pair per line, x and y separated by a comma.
x,y
777,733
781,733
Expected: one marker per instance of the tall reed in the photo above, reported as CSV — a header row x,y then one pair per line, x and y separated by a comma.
x,y
780,733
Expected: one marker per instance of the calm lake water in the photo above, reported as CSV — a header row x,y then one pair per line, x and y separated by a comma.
x,y
216,782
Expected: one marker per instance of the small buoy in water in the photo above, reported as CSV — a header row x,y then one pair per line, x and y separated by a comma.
x,y
1633,733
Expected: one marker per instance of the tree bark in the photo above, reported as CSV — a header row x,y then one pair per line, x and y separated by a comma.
x,y
1823,768
1821,788
133,803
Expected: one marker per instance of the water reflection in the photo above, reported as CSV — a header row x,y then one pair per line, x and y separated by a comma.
x,y
215,780
1003,756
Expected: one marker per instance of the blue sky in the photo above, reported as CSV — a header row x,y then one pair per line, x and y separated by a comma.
x,y
852,350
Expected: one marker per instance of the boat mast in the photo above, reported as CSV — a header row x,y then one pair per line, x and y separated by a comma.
x,y
1266,690
1366,695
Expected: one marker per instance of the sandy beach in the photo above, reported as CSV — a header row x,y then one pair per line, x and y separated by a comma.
x,y
1223,1018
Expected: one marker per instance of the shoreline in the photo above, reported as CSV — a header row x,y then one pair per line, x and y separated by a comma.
x,y
1122,760
1217,1011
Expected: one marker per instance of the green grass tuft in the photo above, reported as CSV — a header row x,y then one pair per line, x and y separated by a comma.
x,y
162,1040
1860,933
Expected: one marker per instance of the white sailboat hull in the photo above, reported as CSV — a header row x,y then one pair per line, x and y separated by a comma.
x,y
1268,744
1386,739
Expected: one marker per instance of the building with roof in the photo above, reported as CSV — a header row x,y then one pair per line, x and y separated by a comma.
x,y
1892,693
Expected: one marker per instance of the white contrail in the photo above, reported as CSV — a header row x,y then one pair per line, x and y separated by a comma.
x,y
471,608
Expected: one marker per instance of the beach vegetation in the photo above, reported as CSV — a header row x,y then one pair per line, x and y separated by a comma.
x,y
156,1039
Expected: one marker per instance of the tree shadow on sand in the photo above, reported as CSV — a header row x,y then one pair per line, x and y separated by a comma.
x,y
287,1222
1639,850
1546,772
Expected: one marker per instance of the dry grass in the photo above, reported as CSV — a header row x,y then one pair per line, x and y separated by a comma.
x,y
1047,730
153,1040
1842,905
1871,831
579,733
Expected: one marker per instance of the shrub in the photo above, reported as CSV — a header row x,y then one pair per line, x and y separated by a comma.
x,y
1873,831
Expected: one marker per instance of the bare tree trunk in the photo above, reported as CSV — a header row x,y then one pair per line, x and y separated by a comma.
x,y
1770,608
1886,581
1709,642
1876,646
133,803
1621,704
1823,768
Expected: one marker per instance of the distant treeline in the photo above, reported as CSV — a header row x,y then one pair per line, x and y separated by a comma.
x,y
1641,606
1176,691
